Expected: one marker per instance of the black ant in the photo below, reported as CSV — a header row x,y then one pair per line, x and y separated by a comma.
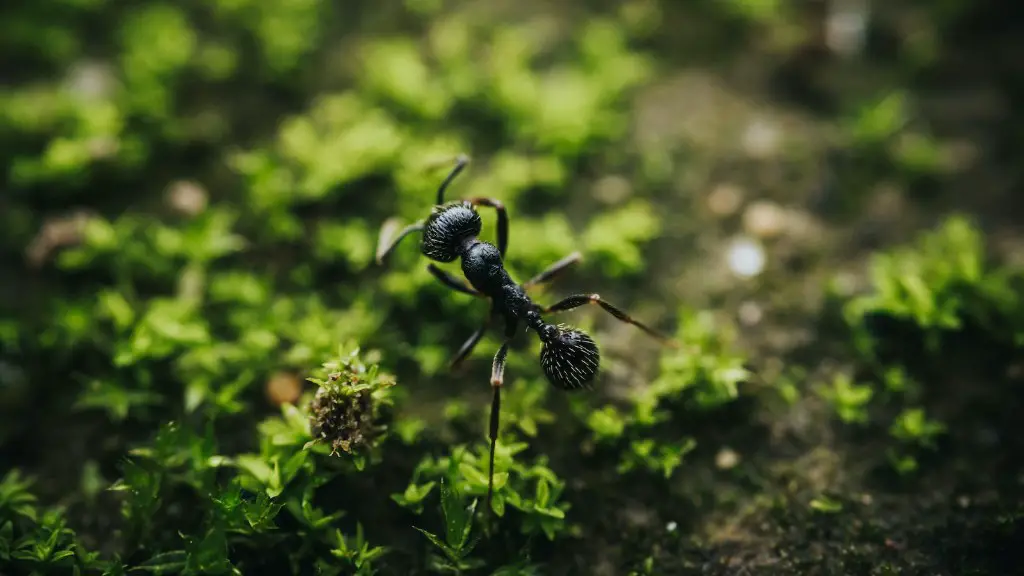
x,y
569,356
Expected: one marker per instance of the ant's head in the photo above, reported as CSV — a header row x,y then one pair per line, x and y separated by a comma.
x,y
569,357
447,229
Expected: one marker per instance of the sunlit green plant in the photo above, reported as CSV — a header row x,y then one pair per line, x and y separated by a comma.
x,y
707,366
37,540
457,515
704,373
532,490
939,283
848,398
182,319
914,432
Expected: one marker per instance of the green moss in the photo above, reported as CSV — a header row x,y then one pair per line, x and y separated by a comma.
x,y
939,284
153,352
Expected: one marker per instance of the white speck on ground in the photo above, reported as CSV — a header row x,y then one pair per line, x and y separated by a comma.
x,y
750,313
726,459
746,257
761,139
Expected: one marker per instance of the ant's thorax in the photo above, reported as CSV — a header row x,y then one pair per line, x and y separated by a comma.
x,y
483,267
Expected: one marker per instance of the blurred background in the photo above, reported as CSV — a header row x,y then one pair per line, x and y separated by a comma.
x,y
819,199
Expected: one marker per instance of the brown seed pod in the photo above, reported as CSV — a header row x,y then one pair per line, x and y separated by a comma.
x,y
343,419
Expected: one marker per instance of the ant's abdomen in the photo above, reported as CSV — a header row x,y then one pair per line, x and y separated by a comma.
x,y
570,358
448,228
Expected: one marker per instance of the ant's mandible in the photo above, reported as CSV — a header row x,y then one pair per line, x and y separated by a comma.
x,y
569,356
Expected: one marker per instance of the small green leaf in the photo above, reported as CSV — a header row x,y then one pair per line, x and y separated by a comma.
x,y
256,466
163,563
551,512
826,505
439,543
543,493
472,474
455,517
498,504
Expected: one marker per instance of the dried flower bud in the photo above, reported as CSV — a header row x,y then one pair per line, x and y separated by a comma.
x,y
346,409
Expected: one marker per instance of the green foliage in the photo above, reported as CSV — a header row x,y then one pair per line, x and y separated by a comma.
x,y
888,130
532,490
704,373
914,432
826,505
356,553
36,540
661,458
615,239
912,425
286,31
881,120
156,331
939,283
706,366
244,498
848,398
458,521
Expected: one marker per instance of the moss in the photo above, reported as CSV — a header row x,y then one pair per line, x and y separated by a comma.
x,y
208,183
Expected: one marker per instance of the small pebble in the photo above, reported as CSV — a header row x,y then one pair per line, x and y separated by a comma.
x,y
963,501
846,27
612,189
761,139
845,283
764,219
725,200
746,258
102,147
636,516
283,388
750,313
726,459
187,197
671,526
90,80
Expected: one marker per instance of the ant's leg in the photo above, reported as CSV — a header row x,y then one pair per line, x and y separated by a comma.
x,y
472,341
497,380
460,163
502,220
468,346
457,284
577,300
386,243
553,270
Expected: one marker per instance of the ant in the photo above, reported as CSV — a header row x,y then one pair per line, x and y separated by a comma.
x,y
568,356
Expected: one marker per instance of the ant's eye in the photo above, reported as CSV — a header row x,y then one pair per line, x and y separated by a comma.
x,y
570,359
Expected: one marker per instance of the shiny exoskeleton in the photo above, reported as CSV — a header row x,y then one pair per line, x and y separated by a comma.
x,y
569,357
